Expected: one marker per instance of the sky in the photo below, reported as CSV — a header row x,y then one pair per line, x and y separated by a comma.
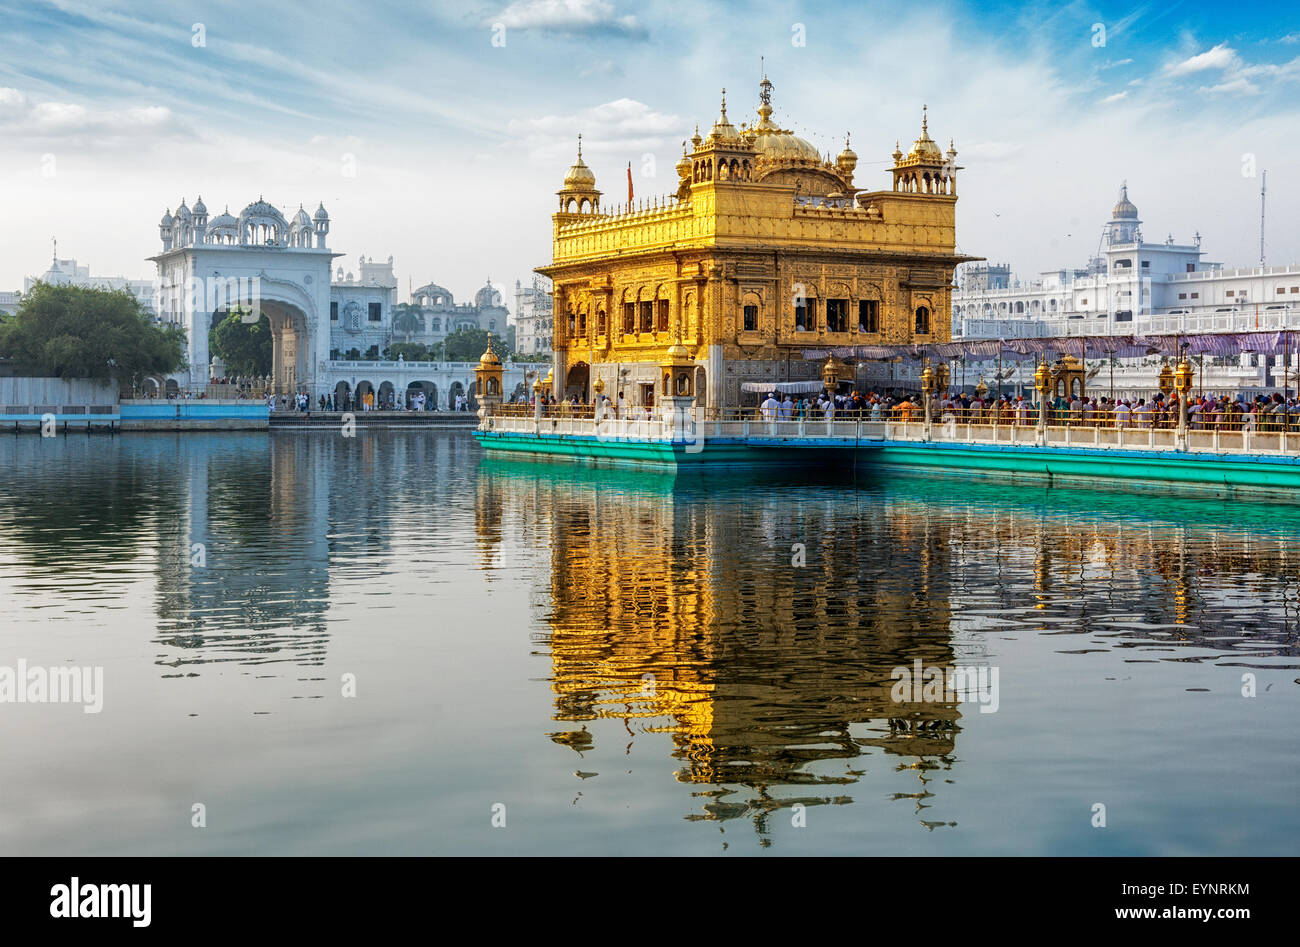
x,y
439,133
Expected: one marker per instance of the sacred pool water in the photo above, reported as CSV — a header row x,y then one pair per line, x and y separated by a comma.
x,y
392,644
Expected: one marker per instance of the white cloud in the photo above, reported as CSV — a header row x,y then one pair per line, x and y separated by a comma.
x,y
1222,57
46,121
1116,97
612,127
568,16
1236,77
1237,85
1289,38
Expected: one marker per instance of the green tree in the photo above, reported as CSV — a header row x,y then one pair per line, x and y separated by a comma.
x,y
410,351
77,332
466,345
407,319
245,347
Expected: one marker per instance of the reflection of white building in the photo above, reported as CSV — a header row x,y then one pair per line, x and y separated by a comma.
x,y
1133,287
533,317
329,335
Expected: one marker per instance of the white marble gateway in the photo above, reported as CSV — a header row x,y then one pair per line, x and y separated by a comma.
x,y
330,327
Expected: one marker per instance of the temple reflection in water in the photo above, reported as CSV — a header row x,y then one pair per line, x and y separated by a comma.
x,y
673,606
765,673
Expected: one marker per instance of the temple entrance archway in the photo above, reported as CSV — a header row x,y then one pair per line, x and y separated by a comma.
x,y
575,383
341,392
386,395
426,388
290,345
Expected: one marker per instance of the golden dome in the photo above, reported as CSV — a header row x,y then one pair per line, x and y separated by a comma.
x,y
1124,208
722,129
678,353
684,165
774,143
489,357
847,159
580,177
925,146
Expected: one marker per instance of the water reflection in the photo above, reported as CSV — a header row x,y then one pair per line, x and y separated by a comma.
x,y
738,630
241,535
676,605
675,609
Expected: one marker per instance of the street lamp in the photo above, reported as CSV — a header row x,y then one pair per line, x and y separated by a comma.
x,y
1183,382
1042,384
928,381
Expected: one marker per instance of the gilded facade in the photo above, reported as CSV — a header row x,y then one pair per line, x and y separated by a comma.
x,y
765,250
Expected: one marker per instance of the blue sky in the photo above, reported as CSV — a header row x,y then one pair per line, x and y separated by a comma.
x,y
429,141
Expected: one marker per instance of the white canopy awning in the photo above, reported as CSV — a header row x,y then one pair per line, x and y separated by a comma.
x,y
792,387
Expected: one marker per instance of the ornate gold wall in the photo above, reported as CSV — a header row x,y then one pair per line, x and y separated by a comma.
x,y
759,220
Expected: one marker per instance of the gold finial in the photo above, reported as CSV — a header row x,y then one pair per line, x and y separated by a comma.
x,y
925,126
579,146
724,104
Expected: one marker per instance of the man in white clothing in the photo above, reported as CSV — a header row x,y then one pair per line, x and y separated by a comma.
x,y
769,408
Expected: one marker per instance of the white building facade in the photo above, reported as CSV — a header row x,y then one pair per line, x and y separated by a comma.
x,y
1134,287
72,273
330,329
533,317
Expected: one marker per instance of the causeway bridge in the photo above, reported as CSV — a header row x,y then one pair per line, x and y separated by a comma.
x,y
1240,454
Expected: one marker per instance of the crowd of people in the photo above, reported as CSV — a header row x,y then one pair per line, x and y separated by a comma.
x,y
367,401
1205,412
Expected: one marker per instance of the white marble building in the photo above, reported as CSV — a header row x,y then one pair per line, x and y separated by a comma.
x,y
71,273
1134,287
533,317
330,336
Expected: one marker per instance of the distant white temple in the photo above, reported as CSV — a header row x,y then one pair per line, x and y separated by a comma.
x,y
330,327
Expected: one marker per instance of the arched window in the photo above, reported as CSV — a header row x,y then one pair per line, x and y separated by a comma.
x,y
922,320
600,322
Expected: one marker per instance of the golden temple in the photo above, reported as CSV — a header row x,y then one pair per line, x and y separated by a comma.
x,y
767,248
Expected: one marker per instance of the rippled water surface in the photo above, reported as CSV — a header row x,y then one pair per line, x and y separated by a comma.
x,y
617,661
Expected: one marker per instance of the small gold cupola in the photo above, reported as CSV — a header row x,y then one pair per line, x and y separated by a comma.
x,y
579,194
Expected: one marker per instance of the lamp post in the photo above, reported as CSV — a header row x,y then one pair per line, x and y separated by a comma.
x,y
1183,382
1042,384
927,392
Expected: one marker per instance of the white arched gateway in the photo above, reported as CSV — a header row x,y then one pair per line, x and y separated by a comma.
x,y
264,264
258,263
